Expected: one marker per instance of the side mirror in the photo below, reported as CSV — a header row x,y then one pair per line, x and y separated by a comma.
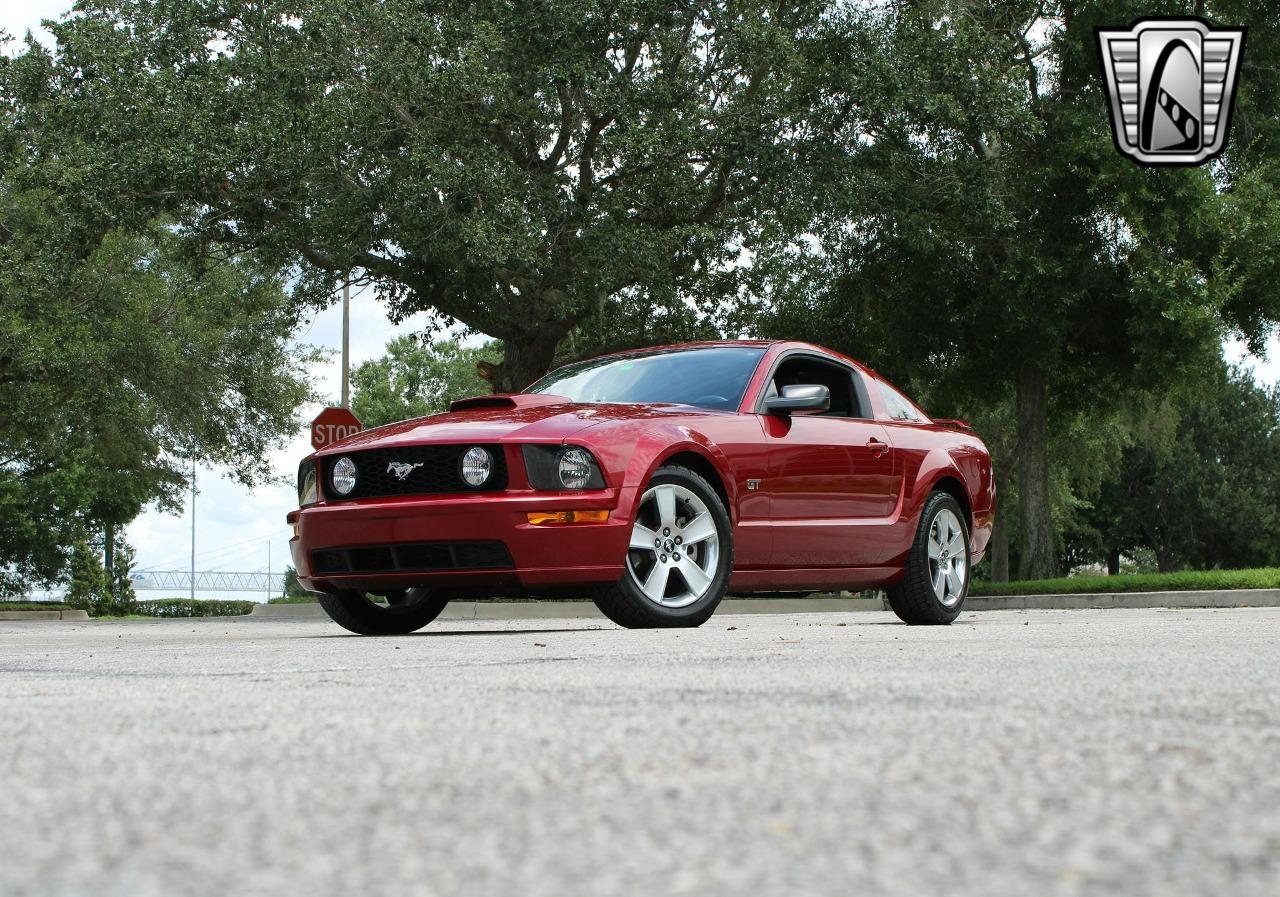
x,y
798,399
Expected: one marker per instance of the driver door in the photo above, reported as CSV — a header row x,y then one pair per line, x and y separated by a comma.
x,y
833,479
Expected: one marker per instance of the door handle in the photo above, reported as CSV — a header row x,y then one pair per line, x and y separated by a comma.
x,y
877,447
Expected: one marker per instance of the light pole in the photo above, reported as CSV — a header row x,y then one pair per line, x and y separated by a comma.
x,y
346,341
193,529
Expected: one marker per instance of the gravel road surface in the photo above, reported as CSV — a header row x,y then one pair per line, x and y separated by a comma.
x,y
1019,753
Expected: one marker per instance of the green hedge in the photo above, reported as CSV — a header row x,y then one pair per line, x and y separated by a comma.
x,y
185,607
1185,581
34,605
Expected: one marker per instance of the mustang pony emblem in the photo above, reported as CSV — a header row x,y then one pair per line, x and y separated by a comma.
x,y
402,469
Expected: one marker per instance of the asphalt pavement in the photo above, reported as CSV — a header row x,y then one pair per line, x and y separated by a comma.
x,y
1126,752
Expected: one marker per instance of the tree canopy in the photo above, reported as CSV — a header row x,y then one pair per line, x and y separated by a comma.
x,y
520,167
414,379
123,355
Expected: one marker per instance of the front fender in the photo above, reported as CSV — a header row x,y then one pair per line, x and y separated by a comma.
x,y
630,454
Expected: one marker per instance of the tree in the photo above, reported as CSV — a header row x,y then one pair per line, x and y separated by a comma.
x,y
293,588
1200,486
88,584
123,355
414,379
521,167
993,242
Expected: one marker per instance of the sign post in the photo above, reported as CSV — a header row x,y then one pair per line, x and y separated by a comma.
x,y
332,425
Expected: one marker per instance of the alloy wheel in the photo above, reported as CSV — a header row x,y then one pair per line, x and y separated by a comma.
x,y
948,558
674,533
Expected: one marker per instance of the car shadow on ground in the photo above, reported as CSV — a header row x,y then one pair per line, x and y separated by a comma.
x,y
450,632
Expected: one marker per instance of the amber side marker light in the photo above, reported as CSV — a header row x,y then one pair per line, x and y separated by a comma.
x,y
556,518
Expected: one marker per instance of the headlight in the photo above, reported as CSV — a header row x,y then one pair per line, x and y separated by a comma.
x,y
343,476
561,467
574,468
476,466
307,493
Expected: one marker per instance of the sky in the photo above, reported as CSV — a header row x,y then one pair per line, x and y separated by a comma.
x,y
239,529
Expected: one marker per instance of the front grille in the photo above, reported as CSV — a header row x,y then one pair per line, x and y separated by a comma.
x,y
435,469
421,557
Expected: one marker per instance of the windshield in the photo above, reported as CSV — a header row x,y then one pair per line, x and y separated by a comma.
x,y
715,377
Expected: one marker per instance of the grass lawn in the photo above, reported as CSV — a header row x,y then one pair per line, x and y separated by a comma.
x,y
1185,581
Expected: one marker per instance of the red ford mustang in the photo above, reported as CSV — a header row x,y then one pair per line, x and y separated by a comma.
x,y
654,481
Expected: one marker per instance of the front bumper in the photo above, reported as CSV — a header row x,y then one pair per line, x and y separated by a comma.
x,y
541,555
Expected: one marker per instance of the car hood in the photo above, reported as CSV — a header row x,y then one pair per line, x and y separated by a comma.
x,y
502,418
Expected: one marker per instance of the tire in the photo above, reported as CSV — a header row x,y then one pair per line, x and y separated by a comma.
x,y
405,612
916,599
682,602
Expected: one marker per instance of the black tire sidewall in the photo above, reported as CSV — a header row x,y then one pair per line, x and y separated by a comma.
x,y
354,612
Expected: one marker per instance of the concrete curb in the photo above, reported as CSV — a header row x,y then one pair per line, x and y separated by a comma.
x,y
55,614
820,604
1220,598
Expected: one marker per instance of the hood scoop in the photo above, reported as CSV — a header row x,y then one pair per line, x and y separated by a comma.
x,y
506,400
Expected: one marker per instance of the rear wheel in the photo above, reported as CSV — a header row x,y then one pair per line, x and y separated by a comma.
x,y
936,582
406,611
679,559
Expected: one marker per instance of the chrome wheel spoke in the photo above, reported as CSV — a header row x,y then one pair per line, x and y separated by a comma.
x,y
699,529
694,576
655,585
665,496
935,549
954,582
940,582
643,538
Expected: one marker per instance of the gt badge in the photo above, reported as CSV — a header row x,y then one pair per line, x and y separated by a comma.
x,y
1171,83
402,469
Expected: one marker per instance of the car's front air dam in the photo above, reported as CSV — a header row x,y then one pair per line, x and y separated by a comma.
x,y
542,555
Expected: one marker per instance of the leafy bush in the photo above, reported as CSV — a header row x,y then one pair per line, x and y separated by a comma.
x,y
34,605
185,607
1185,581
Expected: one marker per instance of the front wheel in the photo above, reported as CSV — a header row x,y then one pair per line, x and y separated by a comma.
x,y
405,611
679,559
936,582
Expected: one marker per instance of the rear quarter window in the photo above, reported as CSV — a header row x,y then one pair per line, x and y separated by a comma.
x,y
896,404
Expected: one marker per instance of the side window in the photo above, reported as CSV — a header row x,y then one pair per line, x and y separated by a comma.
x,y
896,404
808,370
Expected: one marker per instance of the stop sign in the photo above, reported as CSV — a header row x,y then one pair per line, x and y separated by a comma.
x,y
332,425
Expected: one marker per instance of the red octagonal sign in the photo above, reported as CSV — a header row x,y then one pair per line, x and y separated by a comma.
x,y
332,425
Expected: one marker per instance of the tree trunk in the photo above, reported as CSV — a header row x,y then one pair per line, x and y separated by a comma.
x,y
1036,552
1113,562
109,556
528,357
1000,552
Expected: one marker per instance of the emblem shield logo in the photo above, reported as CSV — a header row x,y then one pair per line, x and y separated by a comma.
x,y
1171,83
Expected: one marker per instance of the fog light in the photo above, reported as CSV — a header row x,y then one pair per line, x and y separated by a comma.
x,y
556,518
476,466
343,476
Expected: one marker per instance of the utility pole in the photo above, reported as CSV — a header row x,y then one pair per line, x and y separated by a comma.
x,y
346,341
268,570
193,529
